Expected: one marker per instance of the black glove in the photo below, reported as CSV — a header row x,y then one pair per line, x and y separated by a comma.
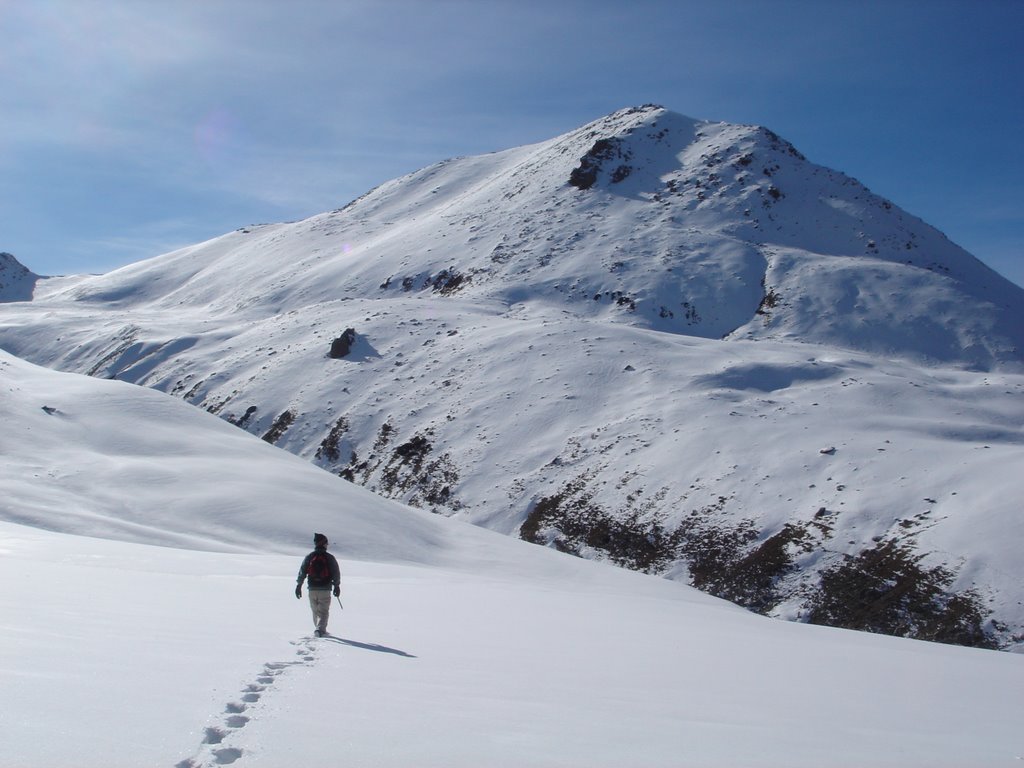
x,y
298,590
337,591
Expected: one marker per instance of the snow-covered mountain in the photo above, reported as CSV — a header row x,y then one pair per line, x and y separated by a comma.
x,y
16,281
454,646
674,344
646,218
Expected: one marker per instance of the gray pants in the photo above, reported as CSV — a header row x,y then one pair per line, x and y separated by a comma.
x,y
320,603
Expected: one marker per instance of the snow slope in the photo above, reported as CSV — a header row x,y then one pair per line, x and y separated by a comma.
x,y
539,350
455,647
511,410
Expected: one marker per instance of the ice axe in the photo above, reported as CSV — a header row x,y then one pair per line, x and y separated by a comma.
x,y
338,598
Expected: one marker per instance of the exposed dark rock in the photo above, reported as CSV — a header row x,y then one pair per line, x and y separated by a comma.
x,y
244,418
342,345
448,281
445,282
584,176
621,173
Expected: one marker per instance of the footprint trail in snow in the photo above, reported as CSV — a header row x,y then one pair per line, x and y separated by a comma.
x,y
216,747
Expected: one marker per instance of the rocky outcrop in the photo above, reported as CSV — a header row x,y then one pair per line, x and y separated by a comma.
x,y
342,345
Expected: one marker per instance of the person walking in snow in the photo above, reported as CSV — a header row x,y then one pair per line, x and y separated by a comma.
x,y
321,572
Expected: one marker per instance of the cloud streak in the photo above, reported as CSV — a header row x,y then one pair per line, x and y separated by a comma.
x,y
231,112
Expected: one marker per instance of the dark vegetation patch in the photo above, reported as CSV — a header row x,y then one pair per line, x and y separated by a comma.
x,y
619,298
886,590
689,311
409,471
722,563
192,393
571,521
384,434
329,448
279,427
127,338
724,559
769,302
502,253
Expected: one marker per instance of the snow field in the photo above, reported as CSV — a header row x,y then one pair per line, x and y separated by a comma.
x,y
456,646
140,655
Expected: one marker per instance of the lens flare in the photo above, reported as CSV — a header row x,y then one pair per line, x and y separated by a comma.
x,y
214,137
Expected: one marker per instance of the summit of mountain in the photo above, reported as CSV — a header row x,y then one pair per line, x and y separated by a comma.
x,y
16,280
644,217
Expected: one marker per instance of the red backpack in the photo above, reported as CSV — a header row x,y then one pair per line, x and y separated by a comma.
x,y
319,569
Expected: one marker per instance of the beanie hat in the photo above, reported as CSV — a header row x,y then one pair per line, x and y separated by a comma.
x,y
319,539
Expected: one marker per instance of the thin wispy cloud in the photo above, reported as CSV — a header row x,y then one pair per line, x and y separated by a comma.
x,y
231,112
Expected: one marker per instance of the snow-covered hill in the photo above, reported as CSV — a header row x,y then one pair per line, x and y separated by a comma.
x,y
454,647
674,344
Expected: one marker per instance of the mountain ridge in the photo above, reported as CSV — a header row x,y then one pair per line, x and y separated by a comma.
x,y
714,246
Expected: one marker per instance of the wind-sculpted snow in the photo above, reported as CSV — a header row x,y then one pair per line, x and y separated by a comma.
x,y
673,344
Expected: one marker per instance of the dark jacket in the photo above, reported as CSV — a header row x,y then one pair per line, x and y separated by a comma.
x,y
332,563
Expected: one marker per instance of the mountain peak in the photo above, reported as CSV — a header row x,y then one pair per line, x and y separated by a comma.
x,y
644,217
16,281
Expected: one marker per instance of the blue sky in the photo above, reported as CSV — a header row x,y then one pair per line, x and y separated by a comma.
x,y
130,128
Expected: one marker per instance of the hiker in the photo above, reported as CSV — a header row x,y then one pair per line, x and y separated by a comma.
x,y
320,570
